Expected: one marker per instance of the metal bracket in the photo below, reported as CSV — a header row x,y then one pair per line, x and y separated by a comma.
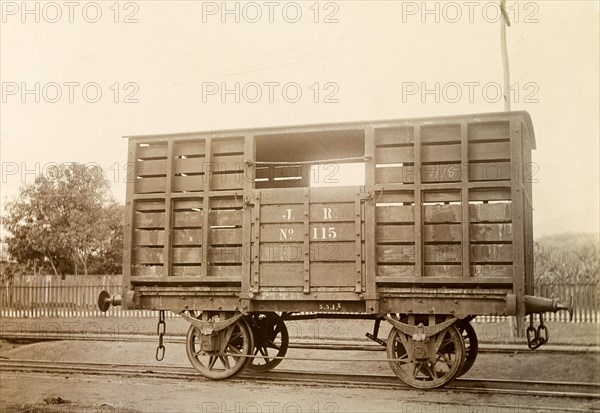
x,y
420,332
208,327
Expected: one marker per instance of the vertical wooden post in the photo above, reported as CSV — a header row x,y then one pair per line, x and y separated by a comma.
x,y
247,243
370,222
128,236
517,221
464,199
167,242
418,204
208,167
306,246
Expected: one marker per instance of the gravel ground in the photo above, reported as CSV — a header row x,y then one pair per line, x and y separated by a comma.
x,y
99,394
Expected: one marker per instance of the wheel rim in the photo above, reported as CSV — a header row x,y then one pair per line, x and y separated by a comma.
x,y
471,346
428,373
271,339
234,341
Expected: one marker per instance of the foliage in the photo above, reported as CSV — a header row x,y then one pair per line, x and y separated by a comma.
x,y
65,222
568,259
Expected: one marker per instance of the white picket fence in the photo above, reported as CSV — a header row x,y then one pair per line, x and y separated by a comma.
x,y
76,296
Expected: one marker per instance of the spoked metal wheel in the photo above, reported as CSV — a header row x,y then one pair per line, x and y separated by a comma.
x,y
271,339
471,346
428,364
219,355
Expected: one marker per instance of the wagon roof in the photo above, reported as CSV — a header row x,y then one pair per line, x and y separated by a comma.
x,y
321,127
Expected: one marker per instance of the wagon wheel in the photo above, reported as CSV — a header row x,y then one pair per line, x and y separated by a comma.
x,y
471,346
271,339
426,372
220,355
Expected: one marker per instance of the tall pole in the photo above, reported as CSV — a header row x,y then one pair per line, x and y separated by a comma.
x,y
503,23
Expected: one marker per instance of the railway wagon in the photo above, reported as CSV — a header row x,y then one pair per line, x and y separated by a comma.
x,y
229,229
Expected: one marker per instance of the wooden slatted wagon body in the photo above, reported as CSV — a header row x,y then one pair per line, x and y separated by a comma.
x,y
229,229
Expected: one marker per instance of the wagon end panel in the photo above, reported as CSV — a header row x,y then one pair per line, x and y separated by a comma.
x,y
451,229
184,219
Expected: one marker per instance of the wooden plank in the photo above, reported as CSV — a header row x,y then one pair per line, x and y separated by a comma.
x,y
188,219
440,133
442,213
281,274
152,151
440,153
321,274
445,253
317,232
225,271
492,151
398,154
151,167
149,220
187,204
189,148
150,206
277,252
395,214
184,255
441,173
192,183
226,236
418,247
395,197
318,195
223,146
443,233
190,166
491,232
443,270
225,254
271,214
491,253
395,253
490,171
187,237
224,217
489,131
178,270
144,255
402,174
393,136
395,270
150,185
395,233
497,194
491,270
153,237
500,212
227,163
226,181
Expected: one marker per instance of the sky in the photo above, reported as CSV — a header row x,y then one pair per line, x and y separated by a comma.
x,y
77,78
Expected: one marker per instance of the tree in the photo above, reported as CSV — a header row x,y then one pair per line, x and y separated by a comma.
x,y
65,221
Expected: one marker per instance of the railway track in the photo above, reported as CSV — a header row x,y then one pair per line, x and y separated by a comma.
x,y
327,344
546,389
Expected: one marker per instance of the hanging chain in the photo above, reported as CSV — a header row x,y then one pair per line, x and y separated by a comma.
x,y
161,329
536,337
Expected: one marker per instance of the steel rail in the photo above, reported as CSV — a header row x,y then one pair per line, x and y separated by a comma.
x,y
575,390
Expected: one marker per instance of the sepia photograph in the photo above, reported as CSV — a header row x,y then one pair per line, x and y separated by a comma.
x,y
303,206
